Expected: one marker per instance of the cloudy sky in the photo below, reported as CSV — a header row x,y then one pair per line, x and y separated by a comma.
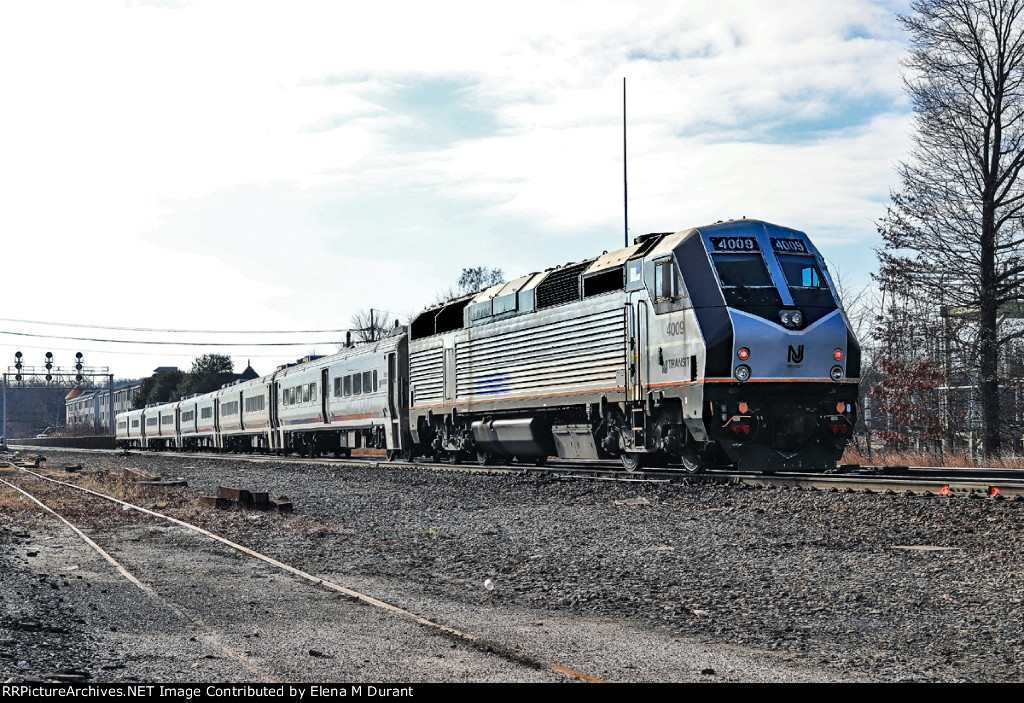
x,y
222,165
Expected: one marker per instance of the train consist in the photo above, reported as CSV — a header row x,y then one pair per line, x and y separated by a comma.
x,y
716,346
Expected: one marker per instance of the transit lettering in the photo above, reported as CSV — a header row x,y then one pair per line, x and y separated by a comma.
x,y
678,363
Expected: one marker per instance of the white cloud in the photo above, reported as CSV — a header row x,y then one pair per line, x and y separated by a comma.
x,y
323,157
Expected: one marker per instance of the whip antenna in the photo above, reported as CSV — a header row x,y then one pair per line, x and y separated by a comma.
x,y
625,188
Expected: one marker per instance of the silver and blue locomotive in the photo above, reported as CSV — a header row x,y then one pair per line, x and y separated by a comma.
x,y
717,346
723,345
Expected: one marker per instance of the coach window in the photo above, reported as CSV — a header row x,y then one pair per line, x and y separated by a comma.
x,y
375,380
357,384
367,382
348,386
312,392
305,393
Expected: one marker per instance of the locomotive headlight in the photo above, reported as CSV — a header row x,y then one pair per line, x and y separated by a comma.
x,y
791,319
742,372
836,373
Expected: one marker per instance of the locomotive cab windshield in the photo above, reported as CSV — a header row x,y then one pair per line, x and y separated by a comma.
x,y
745,279
806,283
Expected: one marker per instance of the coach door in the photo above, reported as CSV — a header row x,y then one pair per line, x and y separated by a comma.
x,y
275,390
325,393
394,389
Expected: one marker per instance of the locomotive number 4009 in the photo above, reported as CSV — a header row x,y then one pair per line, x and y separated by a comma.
x,y
734,244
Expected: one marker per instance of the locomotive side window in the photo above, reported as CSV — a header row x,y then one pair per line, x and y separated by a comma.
x,y
666,280
666,287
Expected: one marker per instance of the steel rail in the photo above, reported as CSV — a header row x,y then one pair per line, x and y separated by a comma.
x,y
473,640
991,482
211,634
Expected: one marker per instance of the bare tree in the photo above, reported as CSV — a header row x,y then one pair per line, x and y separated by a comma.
x,y
954,228
370,326
471,280
474,280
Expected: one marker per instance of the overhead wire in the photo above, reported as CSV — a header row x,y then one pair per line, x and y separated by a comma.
x,y
162,353
177,344
169,330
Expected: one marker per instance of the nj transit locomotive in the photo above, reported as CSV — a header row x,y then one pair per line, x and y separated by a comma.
x,y
723,345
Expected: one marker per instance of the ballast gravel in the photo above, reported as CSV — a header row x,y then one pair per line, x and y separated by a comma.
x,y
624,581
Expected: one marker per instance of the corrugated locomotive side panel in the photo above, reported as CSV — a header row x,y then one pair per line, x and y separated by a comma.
x,y
426,374
580,353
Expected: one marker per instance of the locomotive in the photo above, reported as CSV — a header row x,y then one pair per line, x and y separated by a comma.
x,y
717,346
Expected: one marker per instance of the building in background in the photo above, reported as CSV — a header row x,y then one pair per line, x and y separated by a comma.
x,y
88,411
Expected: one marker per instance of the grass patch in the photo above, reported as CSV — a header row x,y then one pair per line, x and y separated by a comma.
x,y
894,457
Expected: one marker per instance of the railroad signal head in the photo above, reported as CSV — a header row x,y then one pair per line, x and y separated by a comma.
x,y
49,363
17,362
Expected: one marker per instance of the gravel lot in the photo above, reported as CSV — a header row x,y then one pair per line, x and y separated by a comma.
x,y
624,581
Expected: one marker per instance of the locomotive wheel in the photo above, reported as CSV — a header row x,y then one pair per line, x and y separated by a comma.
x,y
391,455
631,461
484,458
450,457
408,454
692,463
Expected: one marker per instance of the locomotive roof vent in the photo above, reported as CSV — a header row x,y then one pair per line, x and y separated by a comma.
x,y
641,238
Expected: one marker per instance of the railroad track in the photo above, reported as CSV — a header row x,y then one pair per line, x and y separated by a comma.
x,y
922,480
182,541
